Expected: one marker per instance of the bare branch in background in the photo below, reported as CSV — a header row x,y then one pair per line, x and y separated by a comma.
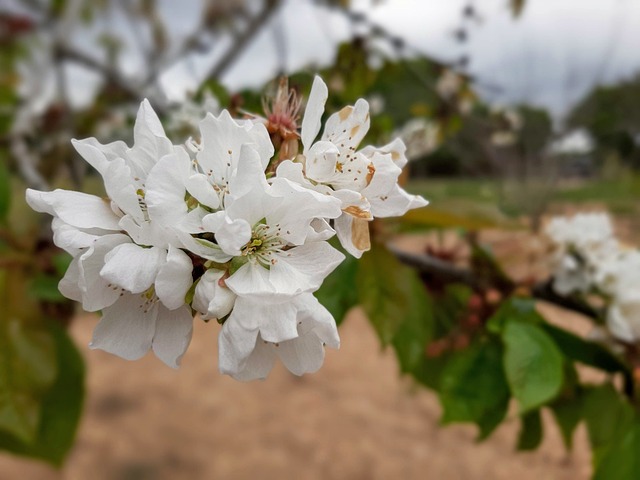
x,y
241,42
111,75
26,163
447,272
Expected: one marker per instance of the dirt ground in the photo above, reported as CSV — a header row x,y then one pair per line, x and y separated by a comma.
x,y
354,419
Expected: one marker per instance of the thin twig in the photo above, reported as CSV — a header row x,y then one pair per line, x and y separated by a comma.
x,y
450,273
257,22
26,163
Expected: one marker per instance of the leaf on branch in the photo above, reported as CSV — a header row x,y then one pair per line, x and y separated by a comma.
x,y
27,370
583,351
387,291
5,192
621,461
530,434
60,407
568,413
533,365
417,329
608,416
338,292
473,387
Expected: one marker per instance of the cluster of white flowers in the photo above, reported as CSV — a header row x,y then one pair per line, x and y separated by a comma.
x,y
204,230
589,259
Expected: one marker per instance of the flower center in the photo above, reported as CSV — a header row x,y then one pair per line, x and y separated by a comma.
x,y
265,243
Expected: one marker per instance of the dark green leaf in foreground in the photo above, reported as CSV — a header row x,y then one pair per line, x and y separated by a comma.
x,y
473,387
338,292
5,192
45,288
516,308
60,407
583,351
27,370
531,431
385,290
608,416
568,413
533,365
622,460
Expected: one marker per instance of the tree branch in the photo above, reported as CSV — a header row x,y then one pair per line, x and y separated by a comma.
x,y
450,273
260,19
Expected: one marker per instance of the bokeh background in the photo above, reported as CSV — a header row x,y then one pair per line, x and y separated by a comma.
x,y
512,110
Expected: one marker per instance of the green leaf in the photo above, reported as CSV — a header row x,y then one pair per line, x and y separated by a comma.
x,y
45,288
516,308
27,370
533,365
338,292
416,330
586,352
530,432
60,405
622,460
607,416
473,387
61,262
568,413
385,289
5,192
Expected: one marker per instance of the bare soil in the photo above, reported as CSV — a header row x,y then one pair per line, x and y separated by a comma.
x,y
354,419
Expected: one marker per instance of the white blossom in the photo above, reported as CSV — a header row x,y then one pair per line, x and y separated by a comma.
x,y
581,244
365,181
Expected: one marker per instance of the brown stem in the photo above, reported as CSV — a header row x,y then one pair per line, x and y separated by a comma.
x,y
450,273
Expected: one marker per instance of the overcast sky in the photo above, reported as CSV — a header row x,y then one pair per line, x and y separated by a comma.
x,y
550,56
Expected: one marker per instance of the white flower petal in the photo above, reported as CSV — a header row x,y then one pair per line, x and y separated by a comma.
x,y
250,173
77,209
132,267
202,190
97,292
174,278
235,345
172,335
258,365
302,355
397,149
313,316
71,239
165,189
150,141
347,128
619,324
127,327
222,138
232,235
313,112
123,189
249,280
395,203
211,299
303,268
321,162
202,247
68,284
349,238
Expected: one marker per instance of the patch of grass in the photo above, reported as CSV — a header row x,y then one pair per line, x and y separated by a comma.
x,y
620,196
